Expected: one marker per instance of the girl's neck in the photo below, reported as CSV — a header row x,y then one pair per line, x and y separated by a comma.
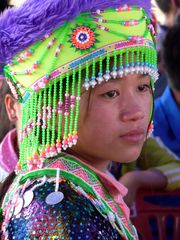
x,y
99,164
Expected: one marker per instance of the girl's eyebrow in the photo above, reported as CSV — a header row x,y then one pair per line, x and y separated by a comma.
x,y
143,75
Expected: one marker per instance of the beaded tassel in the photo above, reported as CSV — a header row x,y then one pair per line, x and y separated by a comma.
x,y
59,111
66,115
44,124
100,78
93,77
75,136
114,72
49,115
86,84
54,111
107,76
72,108
120,72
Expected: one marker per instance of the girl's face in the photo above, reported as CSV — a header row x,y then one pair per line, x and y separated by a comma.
x,y
114,119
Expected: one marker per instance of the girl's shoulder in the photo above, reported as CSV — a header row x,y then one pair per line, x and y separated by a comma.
x,y
44,211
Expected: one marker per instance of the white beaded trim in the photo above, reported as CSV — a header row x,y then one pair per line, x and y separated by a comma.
x,y
152,72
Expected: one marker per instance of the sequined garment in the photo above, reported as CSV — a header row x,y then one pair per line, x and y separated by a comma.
x,y
73,218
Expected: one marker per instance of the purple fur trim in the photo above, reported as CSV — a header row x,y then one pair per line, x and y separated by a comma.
x,y
21,27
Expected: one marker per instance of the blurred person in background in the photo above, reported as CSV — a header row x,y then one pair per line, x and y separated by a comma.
x,y
167,107
169,8
155,169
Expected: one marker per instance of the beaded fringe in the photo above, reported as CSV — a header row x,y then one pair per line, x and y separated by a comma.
x,y
50,116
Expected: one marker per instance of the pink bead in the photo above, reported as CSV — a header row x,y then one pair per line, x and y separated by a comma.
x,y
70,139
65,142
47,149
45,80
28,53
35,156
42,155
75,136
35,66
37,88
58,145
52,149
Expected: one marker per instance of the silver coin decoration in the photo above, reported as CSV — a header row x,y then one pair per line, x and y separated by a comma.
x,y
28,197
10,212
18,205
54,198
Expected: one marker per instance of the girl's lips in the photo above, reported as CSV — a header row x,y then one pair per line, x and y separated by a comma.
x,y
134,136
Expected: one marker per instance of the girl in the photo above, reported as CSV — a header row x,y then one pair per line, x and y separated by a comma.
x,y
84,73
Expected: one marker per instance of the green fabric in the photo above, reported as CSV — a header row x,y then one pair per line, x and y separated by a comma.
x,y
152,156
156,156
105,40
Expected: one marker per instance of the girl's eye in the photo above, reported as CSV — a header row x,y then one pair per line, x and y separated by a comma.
x,y
144,87
111,94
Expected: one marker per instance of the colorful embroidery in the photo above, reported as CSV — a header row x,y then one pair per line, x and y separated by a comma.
x,y
83,38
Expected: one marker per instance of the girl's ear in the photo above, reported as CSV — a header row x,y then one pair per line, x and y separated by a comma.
x,y
11,108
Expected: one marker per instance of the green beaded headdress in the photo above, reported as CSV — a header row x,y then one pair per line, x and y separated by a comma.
x,y
47,76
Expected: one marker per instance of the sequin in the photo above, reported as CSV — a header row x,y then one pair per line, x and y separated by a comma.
x,y
73,218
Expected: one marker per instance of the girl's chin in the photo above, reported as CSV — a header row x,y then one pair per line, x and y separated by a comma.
x,y
130,156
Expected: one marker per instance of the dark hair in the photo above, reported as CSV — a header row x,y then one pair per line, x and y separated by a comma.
x,y
171,56
5,185
6,125
4,4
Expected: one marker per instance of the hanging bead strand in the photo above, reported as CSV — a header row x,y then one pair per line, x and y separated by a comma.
x,y
75,135
93,77
114,72
72,107
54,110
100,78
60,110
107,76
66,114
49,116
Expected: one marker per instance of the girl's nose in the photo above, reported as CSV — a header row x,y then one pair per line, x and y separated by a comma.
x,y
132,110
132,115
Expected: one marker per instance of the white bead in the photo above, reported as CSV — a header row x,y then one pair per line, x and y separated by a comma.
x,y
93,83
106,77
41,85
86,85
114,74
70,144
120,73
78,98
126,71
100,80
132,70
137,69
141,69
146,69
